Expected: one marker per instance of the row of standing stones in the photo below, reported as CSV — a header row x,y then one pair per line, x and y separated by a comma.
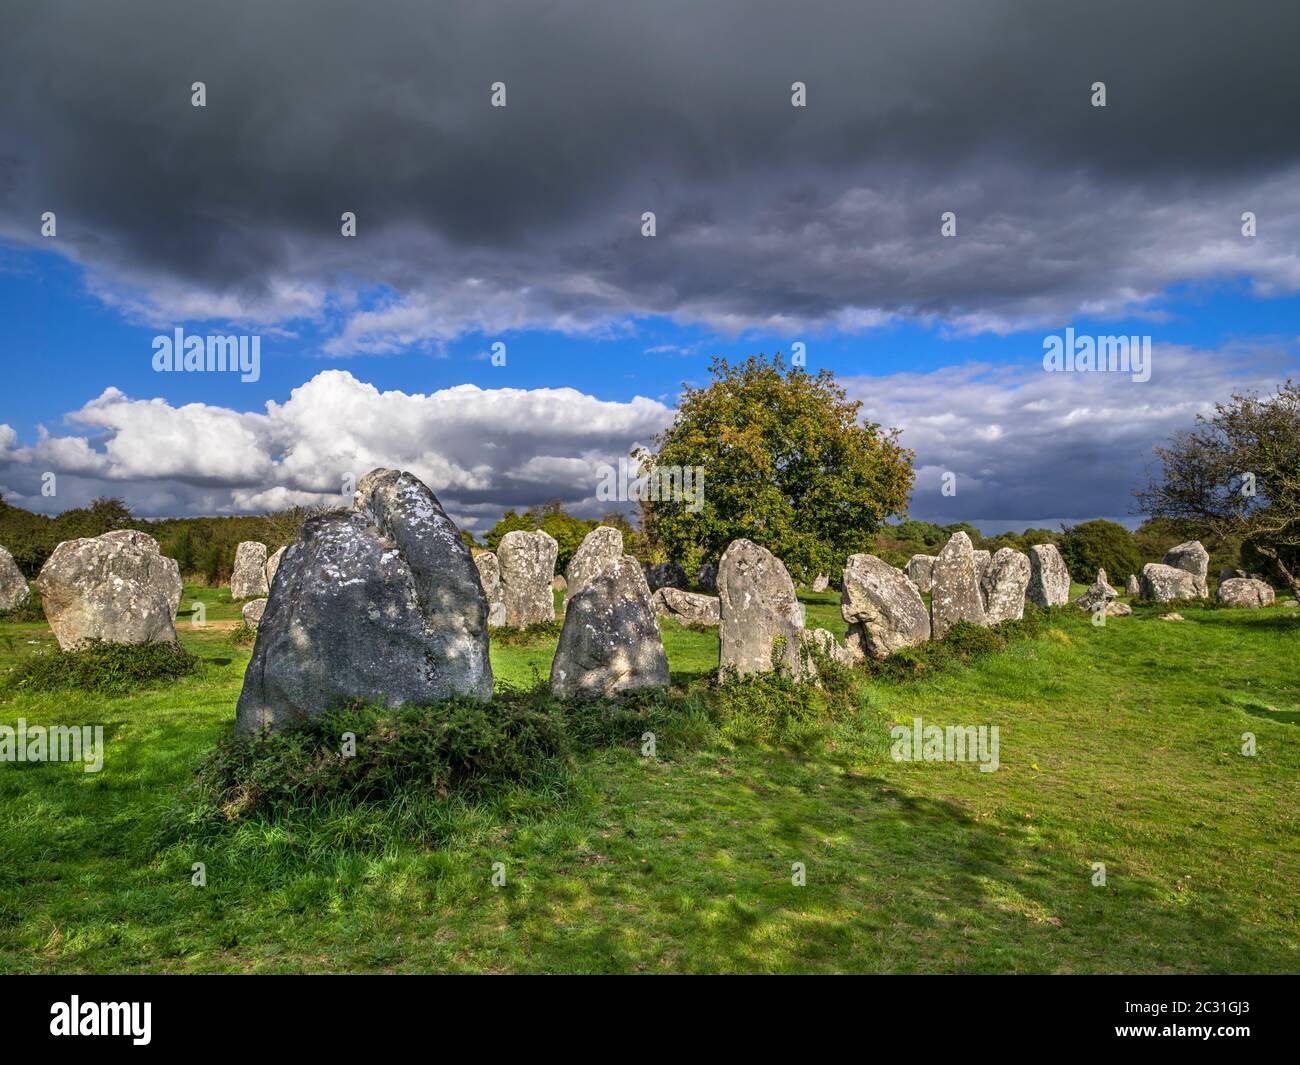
x,y
386,603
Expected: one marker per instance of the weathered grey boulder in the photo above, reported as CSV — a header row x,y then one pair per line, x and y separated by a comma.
x,y
600,548
381,603
489,575
117,587
253,611
1049,579
1100,593
982,561
820,583
1245,592
757,609
919,571
689,608
1193,558
1133,586
273,564
884,610
955,588
707,577
13,585
824,641
248,579
1116,609
1227,573
527,561
1004,584
664,575
610,641
1164,584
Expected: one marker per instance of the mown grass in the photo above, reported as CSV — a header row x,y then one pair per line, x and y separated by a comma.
x,y
1119,744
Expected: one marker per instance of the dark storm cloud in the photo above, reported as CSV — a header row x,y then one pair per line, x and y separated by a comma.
x,y
768,214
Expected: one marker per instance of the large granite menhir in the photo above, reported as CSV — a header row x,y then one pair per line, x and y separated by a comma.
x,y
1049,579
758,611
13,585
248,579
381,603
527,563
599,549
117,587
955,589
884,610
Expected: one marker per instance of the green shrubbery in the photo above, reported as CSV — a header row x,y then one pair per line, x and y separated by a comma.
x,y
103,668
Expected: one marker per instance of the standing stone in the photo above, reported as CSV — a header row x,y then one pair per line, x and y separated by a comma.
x,y
13,585
824,641
1245,592
527,561
689,608
820,583
600,548
884,610
707,577
610,641
248,580
253,611
381,603
920,570
757,607
1049,580
1193,558
489,573
272,564
982,561
1164,584
1133,586
955,589
1099,594
1004,584
664,575
117,587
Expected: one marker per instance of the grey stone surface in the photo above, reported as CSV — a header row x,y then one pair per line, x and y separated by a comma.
x,y
689,608
1227,573
253,611
381,603
489,574
273,564
665,575
116,587
610,642
527,561
1164,584
1099,593
1133,586
982,561
1004,585
820,583
920,569
600,549
14,591
1049,579
955,588
758,608
706,577
1245,592
248,579
884,610
824,640
1193,558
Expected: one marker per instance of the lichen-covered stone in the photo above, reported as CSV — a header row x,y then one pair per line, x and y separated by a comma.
x,y
248,579
1049,579
955,588
758,610
527,561
1245,592
689,608
884,610
1004,585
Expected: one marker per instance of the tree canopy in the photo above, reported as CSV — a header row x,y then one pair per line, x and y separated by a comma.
x,y
786,463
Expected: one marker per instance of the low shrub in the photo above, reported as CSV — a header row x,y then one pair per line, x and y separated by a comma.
x,y
541,632
103,668
30,611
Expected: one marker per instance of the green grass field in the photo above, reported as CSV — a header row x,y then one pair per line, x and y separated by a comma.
x,y
1119,745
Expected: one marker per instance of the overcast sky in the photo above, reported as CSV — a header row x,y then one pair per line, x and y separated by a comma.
x,y
522,225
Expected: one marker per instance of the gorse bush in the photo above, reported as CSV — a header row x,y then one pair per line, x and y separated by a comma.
x,y
103,668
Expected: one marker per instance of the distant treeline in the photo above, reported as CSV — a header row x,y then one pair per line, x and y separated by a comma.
x,y
205,547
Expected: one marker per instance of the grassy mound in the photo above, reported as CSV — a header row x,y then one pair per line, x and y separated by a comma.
x,y
102,668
